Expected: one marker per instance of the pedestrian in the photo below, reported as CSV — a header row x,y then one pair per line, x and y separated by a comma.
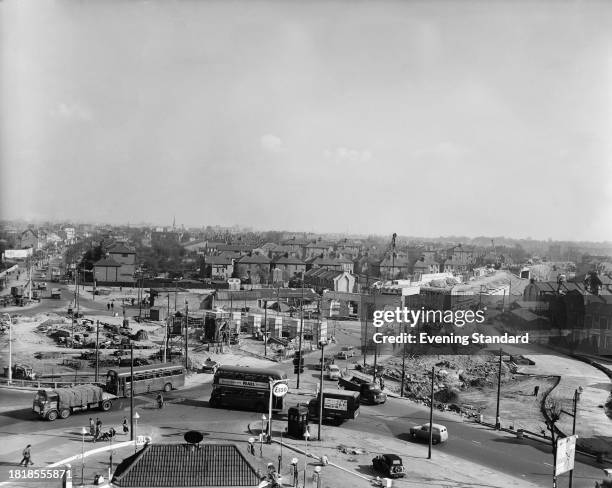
x,y
126,429
27,456
294,471
382,383
160,401
108,306
98,428
92,427
113,305
536,390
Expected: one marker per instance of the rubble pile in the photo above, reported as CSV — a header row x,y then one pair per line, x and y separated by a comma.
x,y
453,374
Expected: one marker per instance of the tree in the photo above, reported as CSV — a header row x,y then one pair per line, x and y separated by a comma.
x,y
553,409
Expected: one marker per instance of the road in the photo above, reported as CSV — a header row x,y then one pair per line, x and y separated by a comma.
x,y
188,409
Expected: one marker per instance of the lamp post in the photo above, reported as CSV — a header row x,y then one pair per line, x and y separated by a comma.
x,y
577,394
261,436
322,344
317,476
135,417
10,341
83,432
306,436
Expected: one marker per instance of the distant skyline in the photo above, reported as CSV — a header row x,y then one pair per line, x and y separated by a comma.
x,y
425,118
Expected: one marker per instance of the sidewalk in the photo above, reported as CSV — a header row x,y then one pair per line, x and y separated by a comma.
x,y
592,424
352,466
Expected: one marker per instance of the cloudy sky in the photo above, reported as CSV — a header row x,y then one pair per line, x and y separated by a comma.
x,y
422,118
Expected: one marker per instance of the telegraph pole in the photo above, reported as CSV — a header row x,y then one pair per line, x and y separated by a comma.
x,y
497,419
186,332
301,330
265,328
131,391
97,348
433,375
321,389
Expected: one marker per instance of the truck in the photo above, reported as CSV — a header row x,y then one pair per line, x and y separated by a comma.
x,y
56,293
62,402
55,275
338,405
370,393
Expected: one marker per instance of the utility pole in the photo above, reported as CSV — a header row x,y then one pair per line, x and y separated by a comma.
x,y
375,345
131,391
321,389
497,419
265,328
97,348
186,332
433,375
301,330
403,365
365,335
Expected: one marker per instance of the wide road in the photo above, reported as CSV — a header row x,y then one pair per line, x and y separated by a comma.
x,y
188,409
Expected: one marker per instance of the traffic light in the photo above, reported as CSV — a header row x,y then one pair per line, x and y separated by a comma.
x,y
298,363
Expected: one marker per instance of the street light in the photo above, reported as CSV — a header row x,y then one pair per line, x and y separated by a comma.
x,y
577,394
83,432
261,435
306,436
317,476
10,367
135,417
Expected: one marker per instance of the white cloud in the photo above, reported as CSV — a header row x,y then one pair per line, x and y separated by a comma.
x,y
73,111
271,143
343,154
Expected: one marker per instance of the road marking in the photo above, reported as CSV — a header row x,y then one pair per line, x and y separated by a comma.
x,y
477,442
548,464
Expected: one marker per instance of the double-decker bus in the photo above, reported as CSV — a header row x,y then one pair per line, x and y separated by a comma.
x,y
246,388
159,377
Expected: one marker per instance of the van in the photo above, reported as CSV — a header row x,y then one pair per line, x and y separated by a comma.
x,y
333,372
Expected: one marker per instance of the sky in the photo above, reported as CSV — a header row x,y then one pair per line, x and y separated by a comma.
x,y
417,117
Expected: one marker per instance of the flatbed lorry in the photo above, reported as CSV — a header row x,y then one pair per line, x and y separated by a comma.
x,y
370,393
62,402
338,405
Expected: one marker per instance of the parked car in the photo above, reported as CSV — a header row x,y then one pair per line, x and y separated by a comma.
x,y
389,465
345,355
421,432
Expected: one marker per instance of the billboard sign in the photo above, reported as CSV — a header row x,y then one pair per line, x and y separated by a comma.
x,y
566,450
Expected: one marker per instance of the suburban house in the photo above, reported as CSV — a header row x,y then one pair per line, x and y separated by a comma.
x,y
393,268
106,270
454,266
255,268
186,465
426,265
218,267
289,267
298,246
126,258
318,248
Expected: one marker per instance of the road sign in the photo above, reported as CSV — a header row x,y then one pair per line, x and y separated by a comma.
x,y
566,450
280,390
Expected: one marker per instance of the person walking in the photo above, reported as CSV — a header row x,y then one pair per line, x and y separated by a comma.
x,y
160,401
98,428
108,306
27,456
92,427
126,429
113,305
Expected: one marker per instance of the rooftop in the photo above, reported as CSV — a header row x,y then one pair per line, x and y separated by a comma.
x,y
186,465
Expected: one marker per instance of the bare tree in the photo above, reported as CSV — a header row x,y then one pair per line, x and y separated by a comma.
x,y
552,409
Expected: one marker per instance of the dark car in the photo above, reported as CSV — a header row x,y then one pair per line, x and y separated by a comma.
x,y
389,465
210,366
